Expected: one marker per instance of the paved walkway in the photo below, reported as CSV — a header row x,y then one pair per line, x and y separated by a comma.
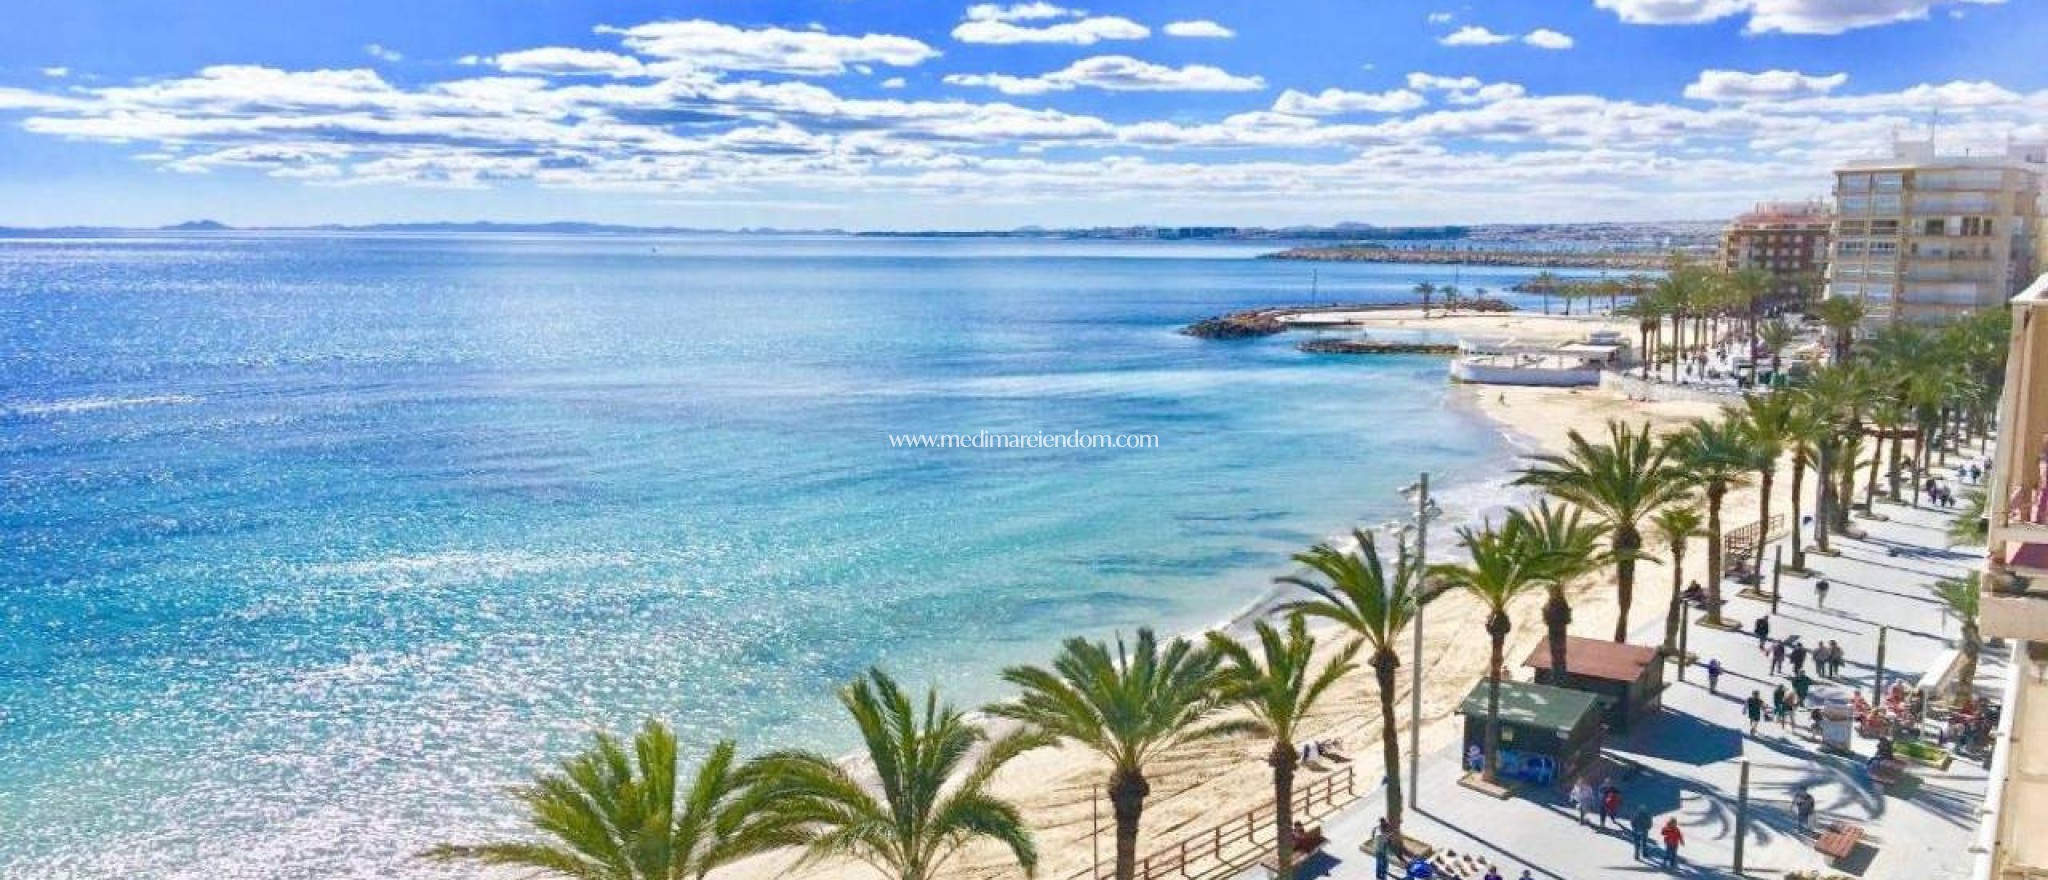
x,y
1694,748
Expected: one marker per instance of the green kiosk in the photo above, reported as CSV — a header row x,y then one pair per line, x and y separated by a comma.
x,y
1547,734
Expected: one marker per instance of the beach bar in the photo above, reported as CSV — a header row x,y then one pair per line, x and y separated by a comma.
x,y
1547,734
1627,679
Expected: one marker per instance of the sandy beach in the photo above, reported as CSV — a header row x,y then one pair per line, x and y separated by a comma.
x,y
1201,786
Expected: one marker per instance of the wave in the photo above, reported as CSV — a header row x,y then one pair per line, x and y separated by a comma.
x,y
94,404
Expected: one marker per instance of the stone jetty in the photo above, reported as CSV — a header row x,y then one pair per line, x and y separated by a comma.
x,y
1373,346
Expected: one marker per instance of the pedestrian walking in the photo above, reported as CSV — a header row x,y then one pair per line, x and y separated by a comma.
x,y
1801,685
1714,676
1762,627
1835,659
1639,830
1753,708
1802,807
1584,799
1798,657
1781,707
1673,839
1777,657
1610,805
1820,593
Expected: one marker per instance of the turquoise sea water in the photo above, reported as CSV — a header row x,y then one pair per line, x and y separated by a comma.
x,y
309,546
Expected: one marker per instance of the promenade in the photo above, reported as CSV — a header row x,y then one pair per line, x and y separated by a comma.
x,y
1691,753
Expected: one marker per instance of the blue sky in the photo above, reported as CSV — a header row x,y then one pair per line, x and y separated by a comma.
x,y
921,113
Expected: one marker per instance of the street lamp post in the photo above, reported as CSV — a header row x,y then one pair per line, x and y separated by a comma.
x,y
1425,510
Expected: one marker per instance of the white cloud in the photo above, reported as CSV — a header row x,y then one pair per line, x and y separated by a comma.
x,y
56,72
563,61
1332,102
1198,28
1464,90
1769,85
382,53
1780,16
1116,73
1018,12
1441,17
1474,35
1545,38
1080,32
894,82
711,46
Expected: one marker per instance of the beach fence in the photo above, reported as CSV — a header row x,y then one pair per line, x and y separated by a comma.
x,y
1743,546
1236,842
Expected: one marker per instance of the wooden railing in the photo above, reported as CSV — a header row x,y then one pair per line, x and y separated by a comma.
x,y
1236,839
1741,544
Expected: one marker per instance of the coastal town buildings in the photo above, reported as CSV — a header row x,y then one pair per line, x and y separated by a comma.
x,y
1787,240
2015,600
1924,236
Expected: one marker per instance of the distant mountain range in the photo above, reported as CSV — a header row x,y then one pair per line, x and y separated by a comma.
x,y
1654,234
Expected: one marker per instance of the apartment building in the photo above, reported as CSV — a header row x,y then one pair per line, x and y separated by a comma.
x,y
1787,240
1922,236
2014,602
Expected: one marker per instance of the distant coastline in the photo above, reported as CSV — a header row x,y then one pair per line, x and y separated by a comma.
x,y
1629,261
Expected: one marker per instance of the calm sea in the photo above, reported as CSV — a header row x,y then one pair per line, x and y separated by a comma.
x,y
310,545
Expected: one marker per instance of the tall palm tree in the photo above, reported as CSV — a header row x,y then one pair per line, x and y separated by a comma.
x,y
1569,547
1767,419
1803,435
1357,592
1840,315
1717,456
1961,597
1619,482
1127,705
1832,398
1676,526
1776,335
926,800
1280,687
1425,290
611,814
1503,566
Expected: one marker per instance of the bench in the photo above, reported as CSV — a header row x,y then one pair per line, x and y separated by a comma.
x,y
1839,841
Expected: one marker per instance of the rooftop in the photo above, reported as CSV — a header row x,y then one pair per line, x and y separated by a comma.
x,y
1596,658
1534,705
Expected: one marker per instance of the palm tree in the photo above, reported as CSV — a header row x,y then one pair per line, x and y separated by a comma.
x,y
1717,456
1768,421
1676,526
1127,705
1568,548
1804,433
1969,526
1840,315
1503,566
1280,688
1776,335
1960,597
926,800
608,814
1355,591
1425,290
1619,482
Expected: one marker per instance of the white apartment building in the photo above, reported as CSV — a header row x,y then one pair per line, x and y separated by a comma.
x,y
1921,236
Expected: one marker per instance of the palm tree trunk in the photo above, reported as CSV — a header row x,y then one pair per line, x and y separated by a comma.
x,y
1127,791
1384,663
1892,478
1557,622
1715,492
1282,760
1766,478
1972,645
1674,611
1845,495
1798,477
1497,627
1824,491
1870,481
1626,542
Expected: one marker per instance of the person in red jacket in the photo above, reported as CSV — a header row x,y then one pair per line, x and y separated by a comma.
x,y
1673,839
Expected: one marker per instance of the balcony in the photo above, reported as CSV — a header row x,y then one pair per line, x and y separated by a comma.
x,y
2015,601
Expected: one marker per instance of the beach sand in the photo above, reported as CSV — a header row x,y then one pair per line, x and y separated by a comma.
x,y
1203,785
1527,326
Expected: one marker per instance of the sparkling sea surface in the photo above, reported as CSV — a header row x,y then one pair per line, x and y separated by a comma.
x,y
312,545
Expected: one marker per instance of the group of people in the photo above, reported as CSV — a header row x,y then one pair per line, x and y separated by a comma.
x,y
1605,801
1938,493
1791,651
